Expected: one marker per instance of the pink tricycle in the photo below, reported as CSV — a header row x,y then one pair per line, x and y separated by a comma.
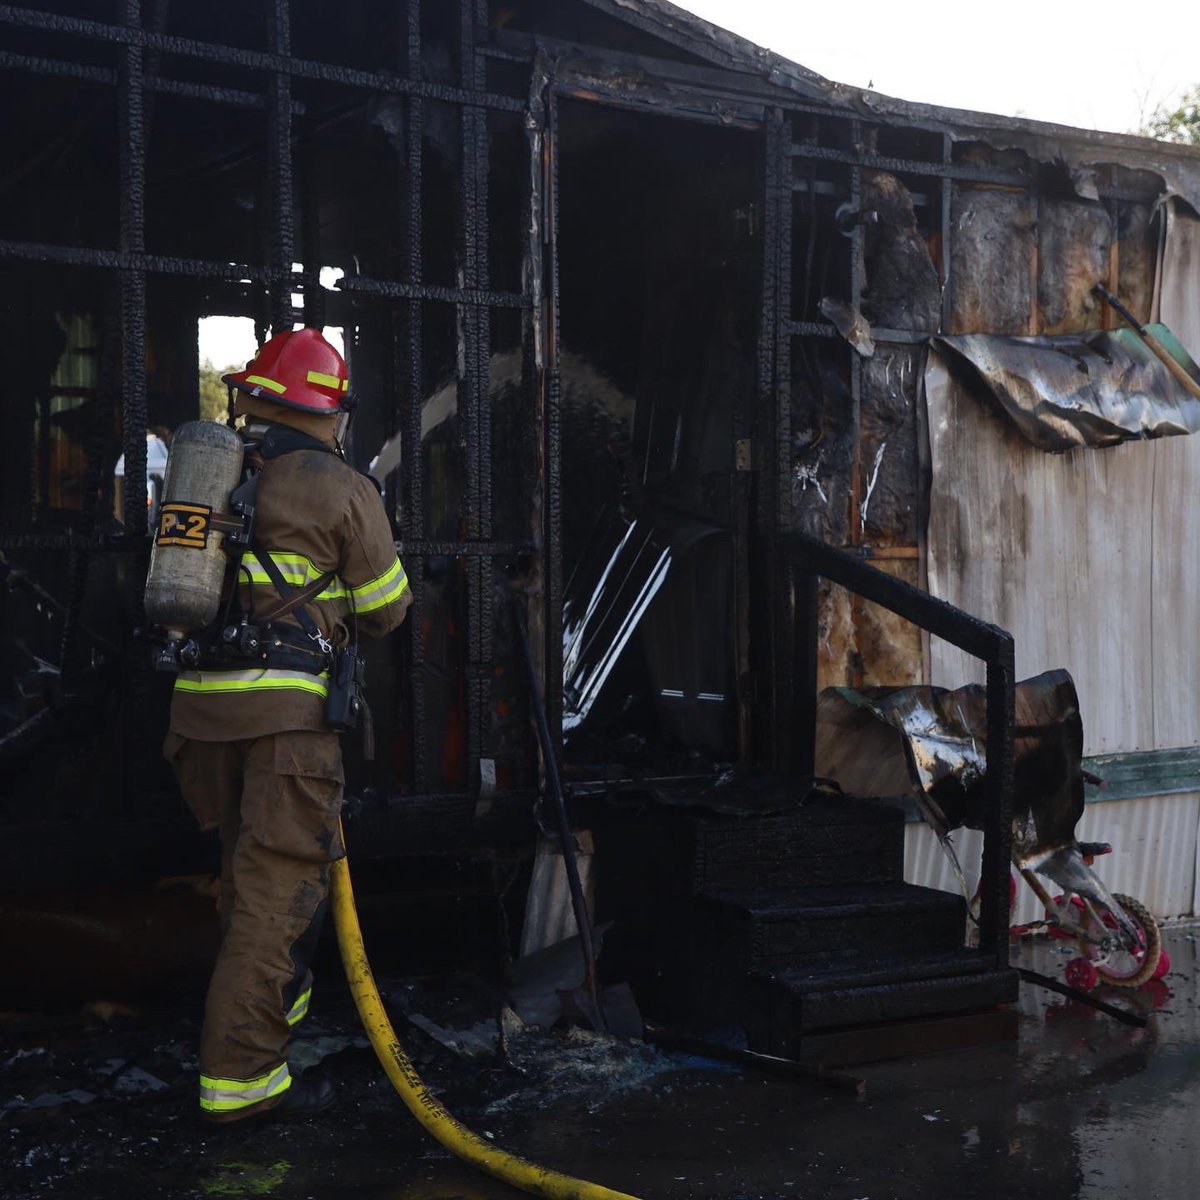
x,y
1118,939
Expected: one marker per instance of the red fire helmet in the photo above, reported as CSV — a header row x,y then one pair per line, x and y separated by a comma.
x,y
298,369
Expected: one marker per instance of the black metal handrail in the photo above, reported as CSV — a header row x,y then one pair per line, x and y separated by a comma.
x,y
807,558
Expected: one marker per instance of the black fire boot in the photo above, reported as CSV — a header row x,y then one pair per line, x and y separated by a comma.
x,y
305,1098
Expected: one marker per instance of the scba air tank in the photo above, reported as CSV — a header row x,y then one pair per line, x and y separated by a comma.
x,y
187,562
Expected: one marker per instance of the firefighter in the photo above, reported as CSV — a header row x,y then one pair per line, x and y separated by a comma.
x,y
250,742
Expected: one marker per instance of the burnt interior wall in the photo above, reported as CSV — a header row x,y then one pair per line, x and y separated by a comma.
x,y
866,253
1016,249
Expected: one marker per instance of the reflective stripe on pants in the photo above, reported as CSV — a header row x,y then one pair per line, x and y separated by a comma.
x,y
299,1010
226,1095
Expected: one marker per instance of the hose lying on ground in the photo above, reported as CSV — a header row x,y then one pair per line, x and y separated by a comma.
x,y
456,1137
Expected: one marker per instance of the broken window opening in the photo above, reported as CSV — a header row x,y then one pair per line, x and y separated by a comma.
x,y
61,425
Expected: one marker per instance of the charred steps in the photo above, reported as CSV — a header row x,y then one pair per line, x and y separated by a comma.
x,y
788,925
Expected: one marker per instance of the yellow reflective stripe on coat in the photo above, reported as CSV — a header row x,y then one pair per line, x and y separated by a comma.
x,y
299,1010
296,569
266,679
226,1095
383,590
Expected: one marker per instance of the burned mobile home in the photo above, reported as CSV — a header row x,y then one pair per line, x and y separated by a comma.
x,y
658,337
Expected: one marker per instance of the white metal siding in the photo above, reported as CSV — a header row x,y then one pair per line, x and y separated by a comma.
x,y
1092,561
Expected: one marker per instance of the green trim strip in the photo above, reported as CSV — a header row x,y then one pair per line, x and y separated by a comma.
x,y
1142,773
1136,775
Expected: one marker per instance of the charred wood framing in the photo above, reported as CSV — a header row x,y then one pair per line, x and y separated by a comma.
x,y
551,398
412,484
460,79
280,210
287,181
251,60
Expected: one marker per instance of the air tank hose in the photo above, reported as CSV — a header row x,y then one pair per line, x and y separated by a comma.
x,y
456,1137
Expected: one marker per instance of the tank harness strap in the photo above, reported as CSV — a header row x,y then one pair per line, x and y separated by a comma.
x,y
293,601
285,606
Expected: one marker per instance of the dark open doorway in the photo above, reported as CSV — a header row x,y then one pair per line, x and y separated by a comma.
x,y
660,266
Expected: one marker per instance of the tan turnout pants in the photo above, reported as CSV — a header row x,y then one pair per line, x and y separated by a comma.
x,y
275,801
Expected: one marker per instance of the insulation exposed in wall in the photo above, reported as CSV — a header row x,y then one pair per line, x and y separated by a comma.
x,y
902,287
891,649
1137,254
1179,299
836,653
888,510
822,447
993,241
1074,240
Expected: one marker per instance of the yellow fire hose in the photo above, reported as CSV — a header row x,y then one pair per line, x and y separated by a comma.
x,y
456,1137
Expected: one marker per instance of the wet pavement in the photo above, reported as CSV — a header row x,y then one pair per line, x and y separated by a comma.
x,y
1079,1108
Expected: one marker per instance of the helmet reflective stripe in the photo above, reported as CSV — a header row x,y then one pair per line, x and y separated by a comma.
x,y
263,381
384,589
299,1010
296,569
268,679
326,380
226,1095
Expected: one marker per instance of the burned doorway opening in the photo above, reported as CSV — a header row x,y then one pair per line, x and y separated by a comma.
x,y
659,262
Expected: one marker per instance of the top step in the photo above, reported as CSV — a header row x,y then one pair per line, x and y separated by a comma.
x,y
827,839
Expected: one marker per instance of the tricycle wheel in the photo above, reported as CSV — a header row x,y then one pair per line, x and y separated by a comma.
x,y
1124,964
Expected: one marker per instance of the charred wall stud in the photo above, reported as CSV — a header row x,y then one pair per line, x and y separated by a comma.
x,y
552,537
132,155
282,249
412,473
473,332
775,139
131,151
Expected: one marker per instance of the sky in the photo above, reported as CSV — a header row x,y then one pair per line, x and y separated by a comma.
x,y
1102,64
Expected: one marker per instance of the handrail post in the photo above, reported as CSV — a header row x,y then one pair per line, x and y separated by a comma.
x,y
997,828
809,558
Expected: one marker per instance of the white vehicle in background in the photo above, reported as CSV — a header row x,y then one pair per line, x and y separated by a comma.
x,y
156,469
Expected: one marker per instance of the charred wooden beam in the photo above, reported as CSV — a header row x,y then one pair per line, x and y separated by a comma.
x,y
251,60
